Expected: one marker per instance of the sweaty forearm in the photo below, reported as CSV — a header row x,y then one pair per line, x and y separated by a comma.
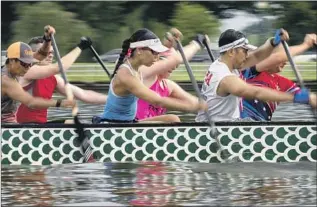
x,y
267,94
176,104
69,59
258,55
42,53
190,50
264,51
92,97
40,103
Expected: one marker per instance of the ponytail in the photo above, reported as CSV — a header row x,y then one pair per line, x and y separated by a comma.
x,y
125,48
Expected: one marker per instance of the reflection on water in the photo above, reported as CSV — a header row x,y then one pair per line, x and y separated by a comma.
x,y
160,184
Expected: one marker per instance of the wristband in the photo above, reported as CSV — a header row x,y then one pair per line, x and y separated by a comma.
x,y
46,39
58,102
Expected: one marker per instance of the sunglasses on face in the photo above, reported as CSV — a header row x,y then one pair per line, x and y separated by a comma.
x,y
26,65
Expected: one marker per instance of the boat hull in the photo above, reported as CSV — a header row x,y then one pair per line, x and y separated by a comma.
x,y
186,142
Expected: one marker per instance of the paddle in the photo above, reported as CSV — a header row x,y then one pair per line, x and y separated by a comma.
x,y
83,139
296,71
209,50
99,60
196,88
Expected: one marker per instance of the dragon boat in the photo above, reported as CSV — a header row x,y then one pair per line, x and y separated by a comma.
x,y
51,144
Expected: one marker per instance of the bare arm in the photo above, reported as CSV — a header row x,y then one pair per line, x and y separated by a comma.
x,y
42,53
313,100
87,96
178,93
258,55
242,89
134,86
43,71
163,66
279,55
14,90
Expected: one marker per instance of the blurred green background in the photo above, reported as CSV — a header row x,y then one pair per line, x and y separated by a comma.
x,y
109,23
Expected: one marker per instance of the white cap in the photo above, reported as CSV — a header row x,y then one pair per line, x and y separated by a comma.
x,y
242,42
154,44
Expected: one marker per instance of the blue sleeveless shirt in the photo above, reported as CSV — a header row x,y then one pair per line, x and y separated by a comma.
x,y
121,108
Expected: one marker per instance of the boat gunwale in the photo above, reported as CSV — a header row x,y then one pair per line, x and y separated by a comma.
x,y
182,124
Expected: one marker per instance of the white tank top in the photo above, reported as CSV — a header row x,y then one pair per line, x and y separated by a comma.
x,y
220,108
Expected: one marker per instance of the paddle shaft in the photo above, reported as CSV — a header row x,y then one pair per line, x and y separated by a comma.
x,y
99,60
195,85
69,93
297,74
209,51
58,57
291,61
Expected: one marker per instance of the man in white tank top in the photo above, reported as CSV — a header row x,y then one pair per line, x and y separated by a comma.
x,y
223,88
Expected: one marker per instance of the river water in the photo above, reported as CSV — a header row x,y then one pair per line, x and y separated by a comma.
x,y
160,184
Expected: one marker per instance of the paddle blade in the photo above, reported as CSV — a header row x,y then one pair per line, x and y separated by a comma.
x,y
83,139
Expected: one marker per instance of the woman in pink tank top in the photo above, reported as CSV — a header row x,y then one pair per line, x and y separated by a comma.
x,y
156,78
147,110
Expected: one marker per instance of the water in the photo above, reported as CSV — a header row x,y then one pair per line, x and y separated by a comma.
x,y
163,184
284,112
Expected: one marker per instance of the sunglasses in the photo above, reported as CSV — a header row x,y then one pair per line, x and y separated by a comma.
x,y
26,65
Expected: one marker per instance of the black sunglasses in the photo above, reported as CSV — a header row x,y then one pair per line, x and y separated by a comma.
x,y
26,65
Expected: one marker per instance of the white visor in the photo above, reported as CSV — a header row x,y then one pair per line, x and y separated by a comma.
x,y
154,44
242,42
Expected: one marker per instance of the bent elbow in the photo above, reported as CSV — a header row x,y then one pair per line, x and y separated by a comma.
x,y
157,102
32,105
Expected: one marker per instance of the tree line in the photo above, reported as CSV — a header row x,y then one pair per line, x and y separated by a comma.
x,y
108,23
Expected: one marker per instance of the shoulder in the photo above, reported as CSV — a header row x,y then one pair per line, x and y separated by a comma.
x,y
9,83
170,84
218,67
123,71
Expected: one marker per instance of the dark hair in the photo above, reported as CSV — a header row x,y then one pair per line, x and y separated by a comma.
x,y
34,41
139,35
8,60
229,36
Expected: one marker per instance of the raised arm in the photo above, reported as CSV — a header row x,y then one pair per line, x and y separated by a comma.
x,y
14,90
265,50
42,53
133,85
43,71
279,56
87,96
171,62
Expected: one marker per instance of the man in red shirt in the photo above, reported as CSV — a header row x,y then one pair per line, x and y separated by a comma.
x,y
265,74
41,80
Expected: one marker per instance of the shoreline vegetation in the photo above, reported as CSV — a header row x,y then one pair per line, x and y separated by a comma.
x,y
92,72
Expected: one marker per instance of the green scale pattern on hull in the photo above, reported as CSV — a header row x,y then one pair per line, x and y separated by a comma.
x,y
59,145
